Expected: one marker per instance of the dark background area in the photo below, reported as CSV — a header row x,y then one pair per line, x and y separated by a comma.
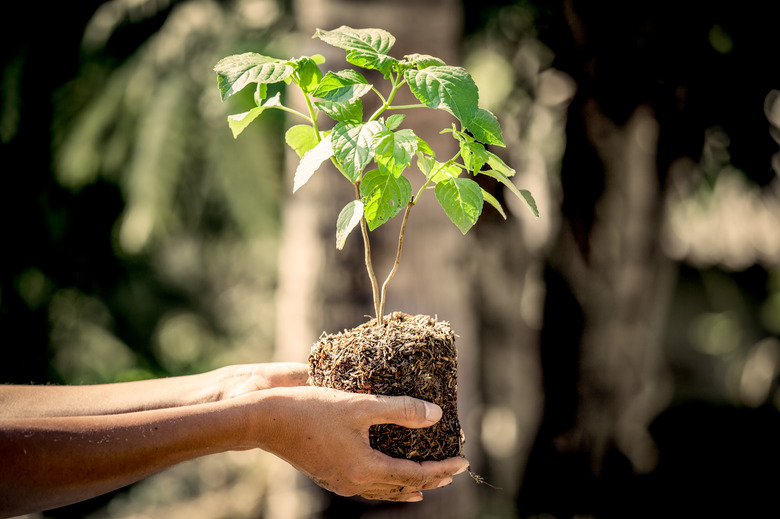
x,y
78,307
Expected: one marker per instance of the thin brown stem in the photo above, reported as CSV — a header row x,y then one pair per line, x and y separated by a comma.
x,y
367,257
383,297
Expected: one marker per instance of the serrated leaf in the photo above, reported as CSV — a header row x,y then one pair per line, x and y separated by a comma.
x,y
352,146
474,155
365,48
393,151
425,163
461,199
495,203
421,61
348,219
485,128
370,60
447,88
235,72
442,172
309,74
301,138
239,122
425,147
522,194
495,162
342,86
394,121
350,111
311,162
347,38
383,196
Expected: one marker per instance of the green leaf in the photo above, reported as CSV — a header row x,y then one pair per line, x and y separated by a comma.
x,y
485,128
529,199
309,74
383,196
301,138
425,163
348,219
367,40
495,162
365,48
425,147
311,162
260,92
235,72
421,61
239,122
447,88
393,151
474,155
350,111
394,121
342,86
495,203
441,172
522,194
352,146
461,199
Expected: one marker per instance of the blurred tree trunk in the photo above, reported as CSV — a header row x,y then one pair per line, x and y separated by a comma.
x,y
325,290
608,281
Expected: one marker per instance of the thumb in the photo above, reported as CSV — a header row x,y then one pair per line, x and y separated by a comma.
x,y
405,411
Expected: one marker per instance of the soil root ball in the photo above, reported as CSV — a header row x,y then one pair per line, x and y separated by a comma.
x,y
406,355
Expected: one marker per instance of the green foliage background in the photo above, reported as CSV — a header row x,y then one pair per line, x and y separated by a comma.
x,y
140,238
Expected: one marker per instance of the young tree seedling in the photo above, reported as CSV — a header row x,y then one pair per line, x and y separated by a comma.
x,y
359,140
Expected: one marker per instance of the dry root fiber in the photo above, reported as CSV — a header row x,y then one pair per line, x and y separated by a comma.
x,y
406,355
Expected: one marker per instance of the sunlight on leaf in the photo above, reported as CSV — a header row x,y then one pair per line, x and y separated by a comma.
x,y
235,72
495,203
342,86
365,48
461,199
311,162
301,138
348,219
239,122
394,150
384,195
352,146
349,111
485,128
447,88
522,194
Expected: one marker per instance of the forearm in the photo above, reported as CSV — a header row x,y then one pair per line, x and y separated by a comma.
x,y
145,395
51,462
103,399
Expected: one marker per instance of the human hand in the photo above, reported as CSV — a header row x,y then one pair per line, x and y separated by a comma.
x,y
324,434
240,379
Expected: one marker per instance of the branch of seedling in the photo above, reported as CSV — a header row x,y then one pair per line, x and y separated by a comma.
x,y
379,297
431,81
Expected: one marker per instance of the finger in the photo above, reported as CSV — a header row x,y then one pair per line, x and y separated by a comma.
x,y
419,475
297,373
404,411
449,466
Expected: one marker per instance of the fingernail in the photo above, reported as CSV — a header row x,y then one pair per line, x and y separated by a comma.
x,y
463,468
432,412
415,498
